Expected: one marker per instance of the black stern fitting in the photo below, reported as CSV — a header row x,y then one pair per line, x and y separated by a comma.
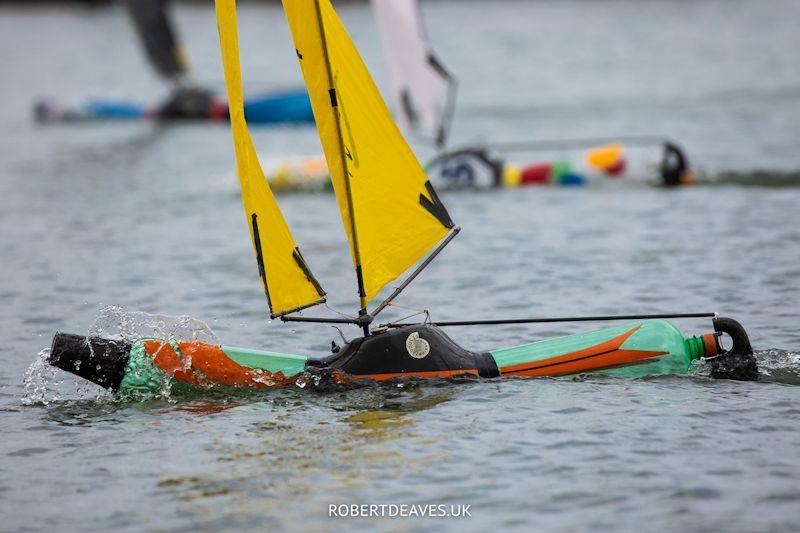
x,y
738,363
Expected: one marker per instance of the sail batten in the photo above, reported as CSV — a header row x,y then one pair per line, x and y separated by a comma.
x,y
287,281
391,215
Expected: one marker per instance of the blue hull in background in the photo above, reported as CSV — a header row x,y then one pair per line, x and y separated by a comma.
x,y
291,107
285,107
107,109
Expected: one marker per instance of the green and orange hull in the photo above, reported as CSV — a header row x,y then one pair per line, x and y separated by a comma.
x,y
646,348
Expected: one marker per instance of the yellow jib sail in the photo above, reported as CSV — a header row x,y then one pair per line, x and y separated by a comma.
x,y
390,211
287,280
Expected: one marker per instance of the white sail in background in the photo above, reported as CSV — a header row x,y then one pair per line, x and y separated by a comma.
x,y
422,86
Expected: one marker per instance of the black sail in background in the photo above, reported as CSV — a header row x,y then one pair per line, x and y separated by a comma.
x,y
157,34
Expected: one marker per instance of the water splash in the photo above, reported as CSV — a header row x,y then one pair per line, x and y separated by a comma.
x,y
115,322
45,384
40,381
780,366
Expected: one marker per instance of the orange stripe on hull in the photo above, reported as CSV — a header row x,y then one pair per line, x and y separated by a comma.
x,y
165,358
601,356
207,364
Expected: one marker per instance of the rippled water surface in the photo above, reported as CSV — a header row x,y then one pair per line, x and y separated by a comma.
x,y
149,218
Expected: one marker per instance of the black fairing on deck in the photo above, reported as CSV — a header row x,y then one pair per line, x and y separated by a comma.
x,y
386,353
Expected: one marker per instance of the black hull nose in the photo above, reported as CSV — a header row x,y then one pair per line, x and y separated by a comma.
x,y
101,361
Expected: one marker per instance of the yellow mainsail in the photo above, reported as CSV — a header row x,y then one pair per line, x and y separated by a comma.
x,y
390,211
287,281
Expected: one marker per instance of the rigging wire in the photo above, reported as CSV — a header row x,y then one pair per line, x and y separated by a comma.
x,y
490,322
331,309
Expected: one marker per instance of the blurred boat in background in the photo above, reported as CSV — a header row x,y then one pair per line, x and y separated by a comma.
x,y
657,162
424,93
279,107
622,160
187,101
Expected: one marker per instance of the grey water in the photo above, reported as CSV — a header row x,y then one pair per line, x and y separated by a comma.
x,y
148,217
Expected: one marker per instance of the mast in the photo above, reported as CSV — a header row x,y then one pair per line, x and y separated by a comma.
x,y
362,294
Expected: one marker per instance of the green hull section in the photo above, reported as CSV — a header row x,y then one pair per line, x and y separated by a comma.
x,y
661,346
649,336
274,362
143,376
